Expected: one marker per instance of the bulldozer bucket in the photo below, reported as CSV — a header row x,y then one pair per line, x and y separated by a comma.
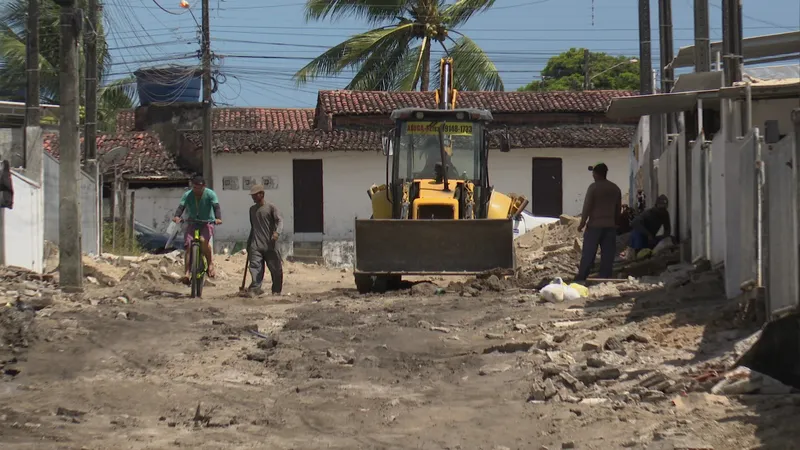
x,y
427,247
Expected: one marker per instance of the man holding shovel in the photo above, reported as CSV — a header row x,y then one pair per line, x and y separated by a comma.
x,y
265,228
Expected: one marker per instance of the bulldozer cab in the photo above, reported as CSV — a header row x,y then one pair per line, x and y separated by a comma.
x,y
438,154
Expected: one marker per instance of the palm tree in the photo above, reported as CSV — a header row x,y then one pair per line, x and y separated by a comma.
x,y
111,97
388,57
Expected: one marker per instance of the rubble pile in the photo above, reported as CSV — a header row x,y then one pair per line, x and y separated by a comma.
x,y
147,269
22,293
552,250
606,371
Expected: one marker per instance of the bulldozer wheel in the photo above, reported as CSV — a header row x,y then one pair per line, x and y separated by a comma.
x,y
364,283
394,282
381,284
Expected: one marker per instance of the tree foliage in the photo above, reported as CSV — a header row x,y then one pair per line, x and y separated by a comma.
x,y
565,72
112,96
396,54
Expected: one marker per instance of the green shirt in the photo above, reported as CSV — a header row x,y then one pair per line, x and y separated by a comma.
x,y
202,208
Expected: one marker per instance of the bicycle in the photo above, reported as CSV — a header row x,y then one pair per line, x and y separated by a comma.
x,y
197,261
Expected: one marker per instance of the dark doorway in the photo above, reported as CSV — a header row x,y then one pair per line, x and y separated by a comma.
x,y
308,200
547,192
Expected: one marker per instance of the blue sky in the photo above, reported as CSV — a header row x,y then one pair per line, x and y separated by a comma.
x,y
262,43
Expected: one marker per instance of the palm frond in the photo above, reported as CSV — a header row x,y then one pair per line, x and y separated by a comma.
x,y
13,73
351,53
373,11
410,69
381,69
461,11
473,69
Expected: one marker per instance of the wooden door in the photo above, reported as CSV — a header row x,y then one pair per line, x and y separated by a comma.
x,y
547,191
308,198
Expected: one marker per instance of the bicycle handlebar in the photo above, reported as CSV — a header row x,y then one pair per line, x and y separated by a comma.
x,y
197,221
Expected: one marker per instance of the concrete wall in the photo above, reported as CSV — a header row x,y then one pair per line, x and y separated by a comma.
x,y
23,226
347,175
90,238
11,146
775,109
155,206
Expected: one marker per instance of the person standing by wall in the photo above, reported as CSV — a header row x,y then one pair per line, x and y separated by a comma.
x,y
266,226
602,207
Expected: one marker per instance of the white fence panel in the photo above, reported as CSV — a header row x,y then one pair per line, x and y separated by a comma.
x,y
718,222
683,189
699,207
740,214
23,226
668,181
781,265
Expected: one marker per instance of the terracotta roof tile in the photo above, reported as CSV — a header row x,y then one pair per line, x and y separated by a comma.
x,y
573,136
243,119
343,102
147,156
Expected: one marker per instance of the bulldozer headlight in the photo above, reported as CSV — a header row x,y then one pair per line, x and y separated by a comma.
x,y
460,116
419,114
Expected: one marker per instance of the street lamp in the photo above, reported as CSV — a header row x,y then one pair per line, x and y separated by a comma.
x,y
630,61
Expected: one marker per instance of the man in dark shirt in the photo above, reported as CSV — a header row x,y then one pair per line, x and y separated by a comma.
x,y
647,224
601,210
266,225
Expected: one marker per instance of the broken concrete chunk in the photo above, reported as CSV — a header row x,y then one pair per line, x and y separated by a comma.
x,y
612,344
549,389
743,380
546,342
638,337
551,370
495,336
591,346
494,368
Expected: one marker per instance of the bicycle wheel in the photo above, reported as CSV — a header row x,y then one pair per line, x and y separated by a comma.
x,y
195,261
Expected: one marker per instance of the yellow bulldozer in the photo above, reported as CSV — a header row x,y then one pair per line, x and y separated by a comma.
x,y
436,214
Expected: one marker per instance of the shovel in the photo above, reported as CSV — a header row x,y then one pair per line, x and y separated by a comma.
x,y
244,276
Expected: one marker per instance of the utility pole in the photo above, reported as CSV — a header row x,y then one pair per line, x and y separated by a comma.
x,y
645,88
69,212
586,78
732,40
208,173
702,43
32,134
667,53
90,42
645,56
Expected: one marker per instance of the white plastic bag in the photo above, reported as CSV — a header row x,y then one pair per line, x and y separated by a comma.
x,y
172,232
557,292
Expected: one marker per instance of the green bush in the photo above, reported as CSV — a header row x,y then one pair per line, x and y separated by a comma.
x,y
125,245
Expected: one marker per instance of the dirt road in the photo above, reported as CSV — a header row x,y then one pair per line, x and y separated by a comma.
x,y
480,366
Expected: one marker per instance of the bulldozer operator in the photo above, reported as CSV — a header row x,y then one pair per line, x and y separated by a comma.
x,y
429,146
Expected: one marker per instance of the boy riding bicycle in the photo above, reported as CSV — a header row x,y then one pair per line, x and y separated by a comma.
x,y
200,204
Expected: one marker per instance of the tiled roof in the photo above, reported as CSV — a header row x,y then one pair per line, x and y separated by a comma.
x,y
244,119
147,156
288,141
573,136
345,103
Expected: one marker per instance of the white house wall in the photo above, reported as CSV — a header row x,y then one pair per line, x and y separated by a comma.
x,y
23,226
348,175
512,171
